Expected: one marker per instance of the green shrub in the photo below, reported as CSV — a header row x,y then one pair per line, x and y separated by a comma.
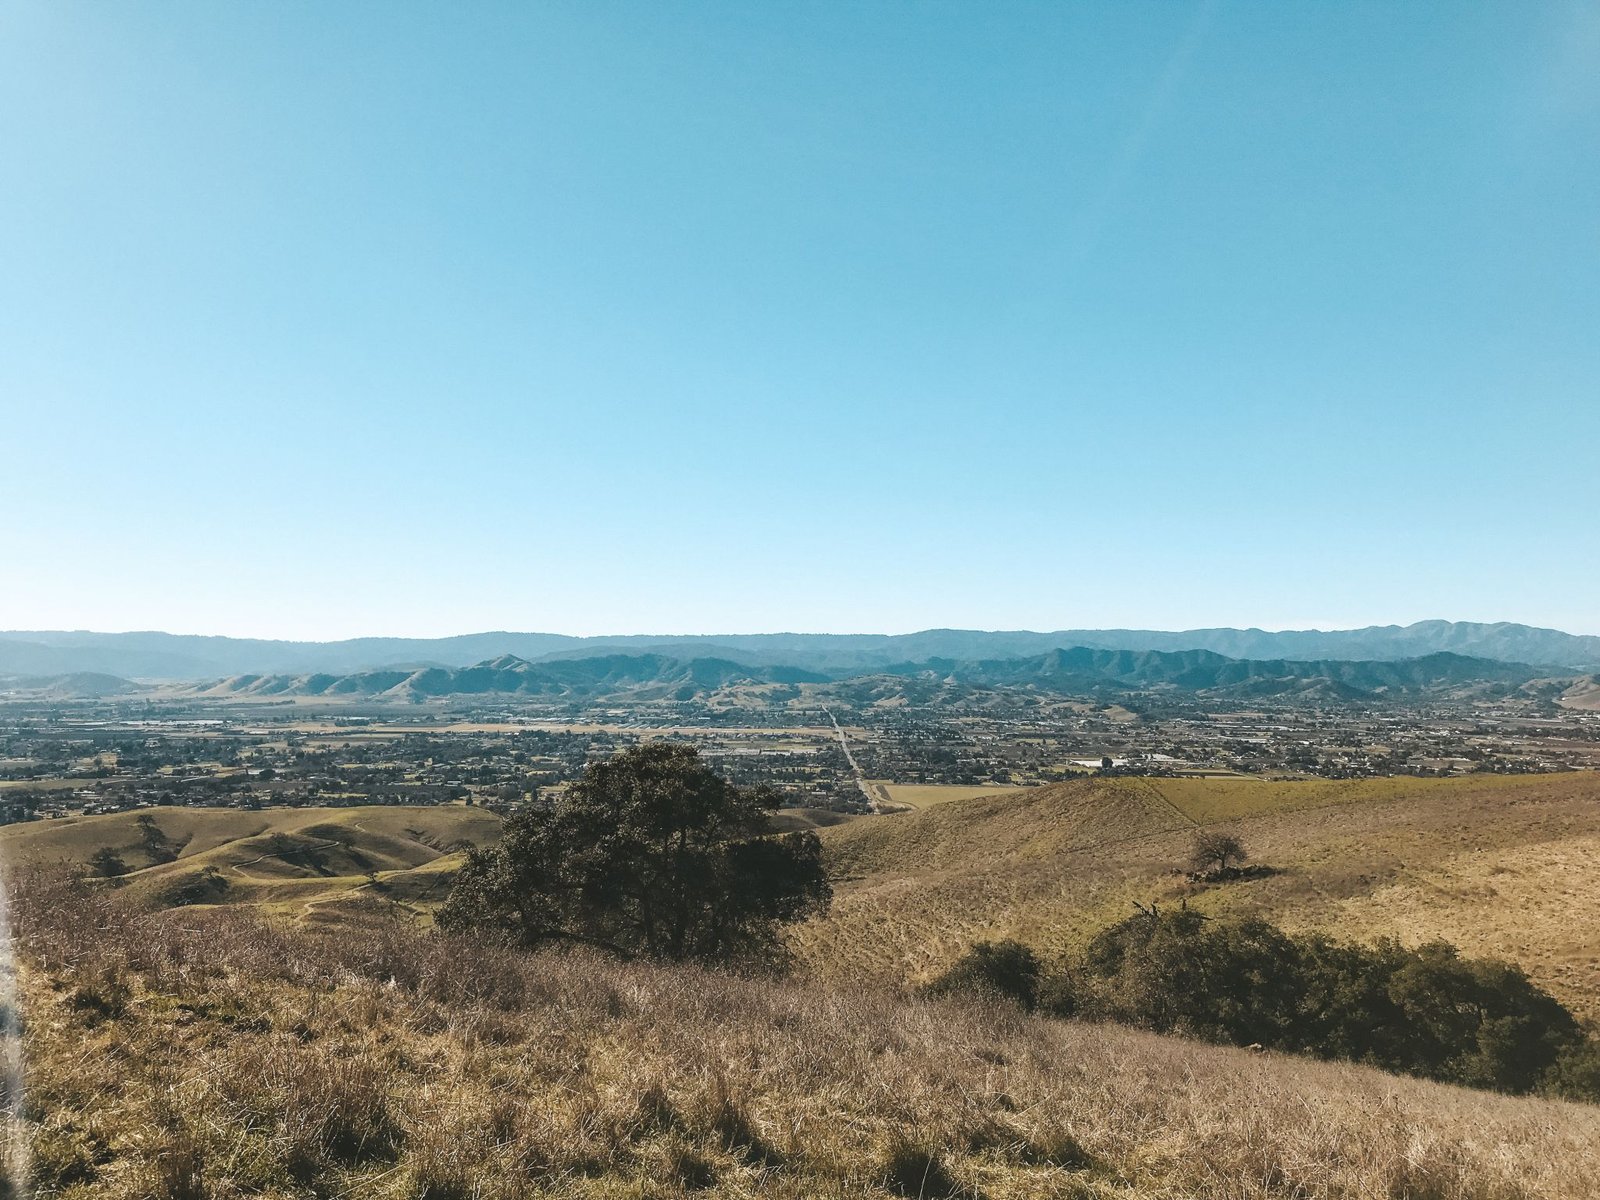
x,y
1575,1074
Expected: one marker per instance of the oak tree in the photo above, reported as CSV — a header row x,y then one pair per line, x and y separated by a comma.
x,y
650,853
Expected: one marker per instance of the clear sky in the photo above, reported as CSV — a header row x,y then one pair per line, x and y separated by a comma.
x,y
324,319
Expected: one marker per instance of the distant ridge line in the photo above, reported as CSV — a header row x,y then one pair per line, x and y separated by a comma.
x,y
1077,671
165,656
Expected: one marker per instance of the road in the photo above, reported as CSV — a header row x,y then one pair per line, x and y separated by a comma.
x,y
861,779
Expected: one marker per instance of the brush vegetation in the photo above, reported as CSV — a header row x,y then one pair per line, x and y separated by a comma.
x,y
1426,1011
242,1013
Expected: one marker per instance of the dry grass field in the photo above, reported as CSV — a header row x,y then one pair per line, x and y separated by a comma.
x,y
1504,866
926,795
211,1054
304,1037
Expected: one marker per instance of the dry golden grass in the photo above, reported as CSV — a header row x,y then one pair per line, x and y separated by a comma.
x,y
1538,903
1212,800
926,795
1503,865
1584,695
187,1054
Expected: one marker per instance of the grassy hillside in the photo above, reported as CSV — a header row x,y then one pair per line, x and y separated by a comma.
x,y
1503,866
210,1054
926,795
298,861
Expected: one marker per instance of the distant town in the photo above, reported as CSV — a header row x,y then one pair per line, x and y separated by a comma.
x,y
60,758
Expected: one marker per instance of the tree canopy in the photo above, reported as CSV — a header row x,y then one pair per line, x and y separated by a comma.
x,y
1214,851
650,853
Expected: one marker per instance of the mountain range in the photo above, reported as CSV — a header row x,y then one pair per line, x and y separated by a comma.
x,y
1080,670
165,656
1085,669
509,675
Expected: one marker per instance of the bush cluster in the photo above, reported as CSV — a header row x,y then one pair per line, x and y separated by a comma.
x,y
1426,1011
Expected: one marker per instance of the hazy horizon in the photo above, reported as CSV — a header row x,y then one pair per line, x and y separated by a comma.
x,y
777,632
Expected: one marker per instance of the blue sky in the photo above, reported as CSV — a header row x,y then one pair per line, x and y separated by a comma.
x,y
331,319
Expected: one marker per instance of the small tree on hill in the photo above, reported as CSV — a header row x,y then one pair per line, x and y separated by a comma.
x,y
1214,852
155,842
650,853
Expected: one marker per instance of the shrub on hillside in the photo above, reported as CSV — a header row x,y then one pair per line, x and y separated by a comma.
x,y
384,1061
1575,1075
107,863
1425,1011
207,887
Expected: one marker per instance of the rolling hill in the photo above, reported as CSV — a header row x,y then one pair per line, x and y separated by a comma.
x,y
1084,668
292,861
203,1052
82,685
1079,670
1505,866
1502,866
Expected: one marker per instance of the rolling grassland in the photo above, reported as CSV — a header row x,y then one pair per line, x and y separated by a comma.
x,y
297,862
212,1053
296,1034
1502,866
